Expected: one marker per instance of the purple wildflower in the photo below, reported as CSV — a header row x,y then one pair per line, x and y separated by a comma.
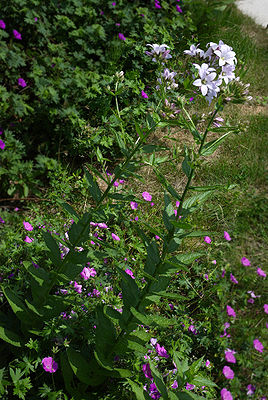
x,y
230,311
49,365
226,395
144,95
2,24
161,351
245,262
228,372
233,279
2,144
121,36
258,345
17,35
227,236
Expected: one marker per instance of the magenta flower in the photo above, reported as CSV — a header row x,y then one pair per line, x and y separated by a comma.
x,y
265,308
27,226
227,236
2,144
114,4
130,273
258,345
2,221
233,279
115,237
161,351
175,385
178,9
226,395
102,225
245,262
146,196
87,273
261,272
133,205
147,371
21,82
157,237
144,95
17,35
77,287
121,36
156,4
2,24
207,239
230,311
208,364
228,372
229,356
250,390
28,239
189,386
49,365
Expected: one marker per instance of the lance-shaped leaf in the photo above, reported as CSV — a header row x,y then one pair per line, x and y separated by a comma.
x,y
10,337
130,290
166,185
79,231
138,390
210,147
67,207
201,381
152,259
168,213
18,306
195,201
186,164
189,396
53,246
93,186
105,334
158,380
40,281
87,372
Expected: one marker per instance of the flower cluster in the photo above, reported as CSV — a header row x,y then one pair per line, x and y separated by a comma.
x,y
218,68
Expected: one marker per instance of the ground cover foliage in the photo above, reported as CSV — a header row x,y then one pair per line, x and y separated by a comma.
x,y
139,272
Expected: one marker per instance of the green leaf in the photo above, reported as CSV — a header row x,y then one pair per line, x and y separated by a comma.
x,y
93,186
186,163
53,246
79,231
152,259
69,210
187,258
17,306
86,372
158,380
130,290
40,281
10,337
201,381
138,390
105,333
210,147
171,296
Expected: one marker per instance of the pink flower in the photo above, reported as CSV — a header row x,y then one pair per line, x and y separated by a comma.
x,y
144,95
227,236
147,371
28,239
245,262
228,372
2,144
178,9
265,308
146,196
49,364
130,273
133,205
27,226
21,82
17,35
258,345
102,225
121,36
156,4
229,356
2,221
214,262
207,239
233,279
114,4
161,351
230,311
87,273
189,386
157,237
226,395
175,385
77,288
261,272
2,24
250,390
115,237
208,364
